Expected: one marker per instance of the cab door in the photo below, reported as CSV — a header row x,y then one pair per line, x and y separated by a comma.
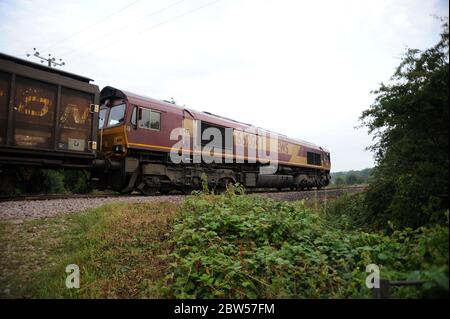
x,y
151,126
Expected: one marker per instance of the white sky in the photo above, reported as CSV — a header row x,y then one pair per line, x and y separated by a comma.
x,y
301,68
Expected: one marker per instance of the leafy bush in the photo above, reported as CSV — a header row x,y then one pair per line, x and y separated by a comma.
x,y
348,212
77,182
409,122
53,182
230,246
48,181
40,181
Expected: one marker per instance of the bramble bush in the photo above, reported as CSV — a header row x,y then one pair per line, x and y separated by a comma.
x,y
229,246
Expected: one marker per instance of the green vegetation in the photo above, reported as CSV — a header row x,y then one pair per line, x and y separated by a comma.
x,y
410,123
49,181
121,251
213,246
351,177
248,247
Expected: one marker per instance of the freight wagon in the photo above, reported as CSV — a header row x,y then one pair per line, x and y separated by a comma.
x,y
48,118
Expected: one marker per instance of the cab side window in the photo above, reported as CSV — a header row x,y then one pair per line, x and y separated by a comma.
x,y
314,158
155,120
144,118
150,119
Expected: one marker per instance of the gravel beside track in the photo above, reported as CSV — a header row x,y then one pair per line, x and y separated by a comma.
x,y
320,195
19,210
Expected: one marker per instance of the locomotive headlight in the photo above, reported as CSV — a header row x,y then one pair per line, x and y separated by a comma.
x,y
118,149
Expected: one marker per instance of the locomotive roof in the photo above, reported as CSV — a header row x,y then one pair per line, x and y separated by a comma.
x,y
43,67
207,116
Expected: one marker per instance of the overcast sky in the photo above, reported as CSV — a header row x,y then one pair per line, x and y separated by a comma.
x,y
301,68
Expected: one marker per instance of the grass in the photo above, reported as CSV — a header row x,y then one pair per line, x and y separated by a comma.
x,y
120,248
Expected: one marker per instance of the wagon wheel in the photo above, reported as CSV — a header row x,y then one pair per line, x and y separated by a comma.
x,y
126,191
164,190
186,190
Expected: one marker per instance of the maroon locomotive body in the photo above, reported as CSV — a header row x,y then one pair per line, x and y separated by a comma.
x,y
138,141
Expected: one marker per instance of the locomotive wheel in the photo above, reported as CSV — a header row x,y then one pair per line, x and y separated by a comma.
x,y
221,187
148,191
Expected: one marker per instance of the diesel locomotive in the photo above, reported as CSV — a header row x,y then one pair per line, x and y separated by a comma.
x,y
54,119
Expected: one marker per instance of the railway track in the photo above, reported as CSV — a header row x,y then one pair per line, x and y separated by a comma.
x,y
55,196
314,195
21,208
326,191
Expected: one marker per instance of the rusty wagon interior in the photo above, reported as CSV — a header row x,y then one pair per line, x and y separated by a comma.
x,y
48,117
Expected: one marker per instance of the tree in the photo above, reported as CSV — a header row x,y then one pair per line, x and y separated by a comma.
x,y
409,120
339,181
353,179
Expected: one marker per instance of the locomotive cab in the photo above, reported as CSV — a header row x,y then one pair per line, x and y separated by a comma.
x,y
131,136
133,125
